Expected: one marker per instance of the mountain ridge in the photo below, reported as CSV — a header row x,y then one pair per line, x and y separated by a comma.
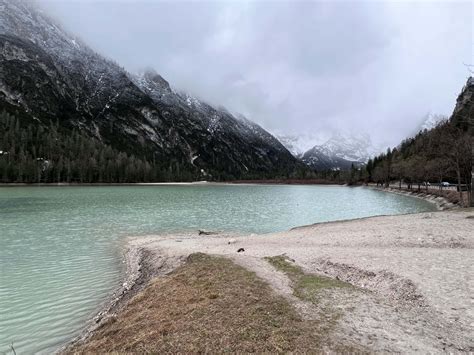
x,y
339,152
48,74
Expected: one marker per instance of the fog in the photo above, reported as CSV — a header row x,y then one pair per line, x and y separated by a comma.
x,y
299,67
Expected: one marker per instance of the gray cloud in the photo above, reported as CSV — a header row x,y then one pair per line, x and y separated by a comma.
x,y
299,66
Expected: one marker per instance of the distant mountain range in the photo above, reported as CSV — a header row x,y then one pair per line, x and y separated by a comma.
x,y
47,74
341,151
298,144
338,152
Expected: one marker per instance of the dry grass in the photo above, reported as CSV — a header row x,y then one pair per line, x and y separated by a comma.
x,y
451,196
208,305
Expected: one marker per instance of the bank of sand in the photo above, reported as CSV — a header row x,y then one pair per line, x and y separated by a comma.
x,y
413,274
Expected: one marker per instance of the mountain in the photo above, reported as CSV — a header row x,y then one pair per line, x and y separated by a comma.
x,y
339,152
429,121
443,153
320,158
463,114
48,75
297,144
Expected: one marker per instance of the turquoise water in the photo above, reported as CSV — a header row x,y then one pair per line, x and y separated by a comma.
x,y
61,247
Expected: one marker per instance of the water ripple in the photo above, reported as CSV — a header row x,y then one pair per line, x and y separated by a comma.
x,y
60,248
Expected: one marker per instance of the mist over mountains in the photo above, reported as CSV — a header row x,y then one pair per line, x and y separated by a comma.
x,y
339,151
50,78
52,83
304,67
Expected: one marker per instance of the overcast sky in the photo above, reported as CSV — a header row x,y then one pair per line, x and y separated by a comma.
x,y
293,66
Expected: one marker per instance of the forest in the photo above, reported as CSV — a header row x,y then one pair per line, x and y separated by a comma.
x,y
441,154
37,153
50,154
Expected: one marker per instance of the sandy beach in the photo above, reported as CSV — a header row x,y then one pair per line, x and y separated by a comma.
x,y
411,275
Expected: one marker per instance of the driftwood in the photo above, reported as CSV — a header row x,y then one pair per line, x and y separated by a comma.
x,y
203,232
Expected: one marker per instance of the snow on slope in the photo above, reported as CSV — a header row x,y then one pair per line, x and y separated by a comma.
x,y
298,144
354,148
337,151
84,90
429,121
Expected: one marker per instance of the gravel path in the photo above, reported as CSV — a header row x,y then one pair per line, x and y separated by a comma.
x,y
414,274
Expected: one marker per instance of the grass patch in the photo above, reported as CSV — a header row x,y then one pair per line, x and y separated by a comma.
x,y
209,305
309,286
282,263
312,288
306,286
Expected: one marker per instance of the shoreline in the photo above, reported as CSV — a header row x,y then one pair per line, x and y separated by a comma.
x,y
441,203
152,256
142,265
182,183
133,274
139,271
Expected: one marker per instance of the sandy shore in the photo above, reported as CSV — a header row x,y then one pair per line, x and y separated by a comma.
x,y
413,274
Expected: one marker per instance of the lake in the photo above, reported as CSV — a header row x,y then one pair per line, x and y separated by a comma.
x,y
61,247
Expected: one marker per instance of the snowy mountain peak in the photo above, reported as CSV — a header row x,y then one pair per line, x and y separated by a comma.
x,y
23,19
152,76
354,148
427,122
431,120
345,146
299,144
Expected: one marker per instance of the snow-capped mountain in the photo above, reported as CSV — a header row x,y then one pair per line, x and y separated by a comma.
x,y
214,119
48,75
298,144
340,151
430,121
350,147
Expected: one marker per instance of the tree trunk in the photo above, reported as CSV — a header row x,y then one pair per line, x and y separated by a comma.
x,y
458,175
472,173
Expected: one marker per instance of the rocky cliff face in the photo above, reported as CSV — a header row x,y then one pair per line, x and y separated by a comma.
x,y
48,75
463,115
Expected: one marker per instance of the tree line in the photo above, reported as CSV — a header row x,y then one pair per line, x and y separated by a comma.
x,y
38,153
51,153
442,154
437,155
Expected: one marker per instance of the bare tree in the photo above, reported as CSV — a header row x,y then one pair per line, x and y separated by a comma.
x,y
457,150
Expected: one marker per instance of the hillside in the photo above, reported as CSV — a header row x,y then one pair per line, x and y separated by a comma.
x,y
443,153
49,77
